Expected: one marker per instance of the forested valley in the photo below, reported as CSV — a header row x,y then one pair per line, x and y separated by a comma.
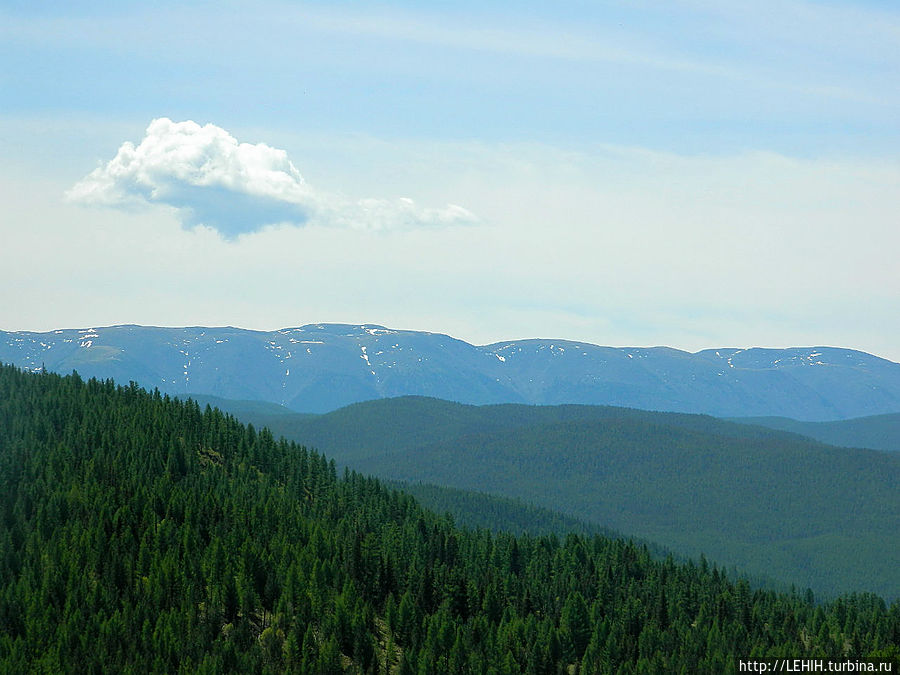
x,y
770,503
140,533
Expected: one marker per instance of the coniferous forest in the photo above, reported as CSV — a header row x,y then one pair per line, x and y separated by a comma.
x,y
144,534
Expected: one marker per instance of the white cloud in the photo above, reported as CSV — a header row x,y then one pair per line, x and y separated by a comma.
x,y
608,244
235,188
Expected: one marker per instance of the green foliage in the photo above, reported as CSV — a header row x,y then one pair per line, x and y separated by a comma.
x,y
477,510
767,502
143,534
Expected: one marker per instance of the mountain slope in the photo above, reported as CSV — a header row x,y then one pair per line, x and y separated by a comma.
x,y
139,534
813,517
321,367
769,502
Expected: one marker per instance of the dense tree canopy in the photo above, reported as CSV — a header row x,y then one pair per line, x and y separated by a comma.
x,y
767,502
143,534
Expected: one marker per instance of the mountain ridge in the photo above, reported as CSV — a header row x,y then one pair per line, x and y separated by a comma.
x,y
322,367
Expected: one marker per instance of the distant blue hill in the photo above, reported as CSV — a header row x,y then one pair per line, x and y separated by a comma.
x,y
878,432
322,367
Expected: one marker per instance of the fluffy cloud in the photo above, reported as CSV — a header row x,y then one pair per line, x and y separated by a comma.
x,y
235,188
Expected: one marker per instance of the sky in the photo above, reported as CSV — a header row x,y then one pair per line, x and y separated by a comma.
x,y
689,173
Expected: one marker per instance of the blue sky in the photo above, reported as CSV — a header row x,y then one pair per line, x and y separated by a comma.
x,y
689,173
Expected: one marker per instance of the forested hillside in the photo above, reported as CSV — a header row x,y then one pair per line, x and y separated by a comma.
x,y
143,534
769,502
407,423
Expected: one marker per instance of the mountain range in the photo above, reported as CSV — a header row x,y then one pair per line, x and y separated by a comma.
x,y
321,367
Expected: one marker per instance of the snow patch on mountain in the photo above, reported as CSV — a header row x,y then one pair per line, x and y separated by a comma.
x,y
242,364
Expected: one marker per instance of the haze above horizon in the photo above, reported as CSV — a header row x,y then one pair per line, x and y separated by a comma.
x,y
691,175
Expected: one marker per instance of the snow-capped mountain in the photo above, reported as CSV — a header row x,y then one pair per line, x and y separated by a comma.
x,y
320,367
